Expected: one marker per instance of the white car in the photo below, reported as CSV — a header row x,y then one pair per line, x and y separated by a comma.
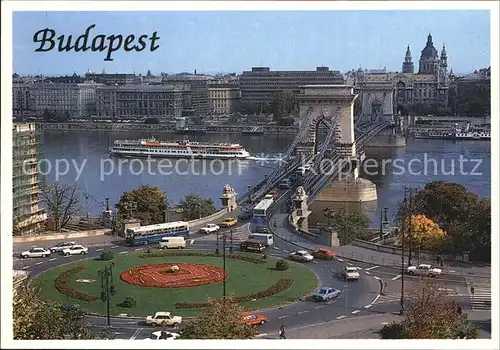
x,y
61,246
35,252
163,335
76,249
162,318
301,255
423,270
210,228
350,273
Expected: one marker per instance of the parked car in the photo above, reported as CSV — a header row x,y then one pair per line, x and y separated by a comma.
x,y
424,270
163,335
350,273
325,294
245,216
163,318
253,319
210,228
301,255
35,252
323,254
61,246
262,229
76,249
229,222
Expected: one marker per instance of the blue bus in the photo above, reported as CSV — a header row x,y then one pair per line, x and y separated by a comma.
x,y
154,233
260,211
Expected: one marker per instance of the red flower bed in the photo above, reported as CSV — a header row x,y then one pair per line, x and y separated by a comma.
x,y
158,275
61,284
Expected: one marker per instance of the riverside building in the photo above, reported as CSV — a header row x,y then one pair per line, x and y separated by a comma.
x,y
28,217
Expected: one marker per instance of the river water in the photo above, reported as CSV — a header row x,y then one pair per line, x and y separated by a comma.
x,y
81,159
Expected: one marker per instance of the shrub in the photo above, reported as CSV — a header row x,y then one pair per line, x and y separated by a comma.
x,y
264,256
394,331
173,269
61,284
107,255
277,287
157,254
281,265
129,302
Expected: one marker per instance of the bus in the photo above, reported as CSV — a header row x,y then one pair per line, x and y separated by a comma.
x,y
154,233
261,210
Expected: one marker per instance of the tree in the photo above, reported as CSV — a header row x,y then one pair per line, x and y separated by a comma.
x,y
62,203
425,234
349,224
47,115
195,207
431,314
145,203
220,320
34,320
462,214
283,104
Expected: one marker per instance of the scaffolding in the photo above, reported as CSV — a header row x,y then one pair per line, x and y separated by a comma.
x,y
28,217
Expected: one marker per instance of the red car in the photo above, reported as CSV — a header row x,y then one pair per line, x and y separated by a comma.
x,y
253,320
324,254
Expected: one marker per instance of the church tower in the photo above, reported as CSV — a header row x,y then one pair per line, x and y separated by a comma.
x,y
408,64
444,59
429,60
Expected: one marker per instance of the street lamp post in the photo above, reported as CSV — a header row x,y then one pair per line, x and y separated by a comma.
x,y
107,287
231,247
409,213
217,246
403,258
224,263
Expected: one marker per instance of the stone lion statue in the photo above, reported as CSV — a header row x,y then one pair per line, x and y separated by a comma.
x,y
228,189
300,191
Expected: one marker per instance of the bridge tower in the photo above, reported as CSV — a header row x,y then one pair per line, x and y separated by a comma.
x,y
323,101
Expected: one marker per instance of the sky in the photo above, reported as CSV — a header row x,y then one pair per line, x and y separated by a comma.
x,y
232,41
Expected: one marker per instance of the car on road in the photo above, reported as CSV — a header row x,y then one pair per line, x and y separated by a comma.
x,y
210,228
325,294
164,318
262,229
251,246
423,270
323,254
163,335
229,222
350,273
301,255
245,216
76,249
252,319
35,252
59,247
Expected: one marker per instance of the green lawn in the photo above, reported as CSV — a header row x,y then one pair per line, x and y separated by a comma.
x,y
243,278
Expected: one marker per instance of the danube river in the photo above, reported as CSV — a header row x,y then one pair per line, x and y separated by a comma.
x,y
82,159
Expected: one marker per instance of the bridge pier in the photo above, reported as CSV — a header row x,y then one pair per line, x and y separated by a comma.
x,y
300,213
386,138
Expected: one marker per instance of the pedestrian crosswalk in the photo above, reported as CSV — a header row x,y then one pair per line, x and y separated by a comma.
x,y
480,297
388,298
239,234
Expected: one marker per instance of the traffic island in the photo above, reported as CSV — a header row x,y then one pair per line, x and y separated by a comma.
x,y
253,281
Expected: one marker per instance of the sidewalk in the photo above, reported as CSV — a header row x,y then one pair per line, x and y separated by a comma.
x,y
364,255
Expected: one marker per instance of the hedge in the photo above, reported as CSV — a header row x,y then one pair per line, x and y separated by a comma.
x,y
61,284
158,254
281,265
278,287
107,255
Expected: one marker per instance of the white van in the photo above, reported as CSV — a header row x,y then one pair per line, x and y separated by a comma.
x,y
172,242
264,238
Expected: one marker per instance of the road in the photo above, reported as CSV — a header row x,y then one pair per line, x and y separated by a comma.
x,y
357,299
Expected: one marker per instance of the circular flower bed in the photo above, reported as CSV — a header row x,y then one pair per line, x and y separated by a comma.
x,y
160,275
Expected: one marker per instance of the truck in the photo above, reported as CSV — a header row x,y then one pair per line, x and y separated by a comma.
x,y
163,318
210,228
423,270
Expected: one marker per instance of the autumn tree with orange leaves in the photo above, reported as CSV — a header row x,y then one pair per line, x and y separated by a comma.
x,y
430,314
425,233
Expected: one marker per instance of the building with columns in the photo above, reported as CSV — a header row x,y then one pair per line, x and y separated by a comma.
x,y
411,91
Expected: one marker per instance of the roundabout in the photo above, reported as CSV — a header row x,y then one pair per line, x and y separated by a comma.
x,y
152,280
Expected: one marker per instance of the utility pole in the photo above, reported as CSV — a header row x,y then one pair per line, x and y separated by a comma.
x,y
403,258
107,287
